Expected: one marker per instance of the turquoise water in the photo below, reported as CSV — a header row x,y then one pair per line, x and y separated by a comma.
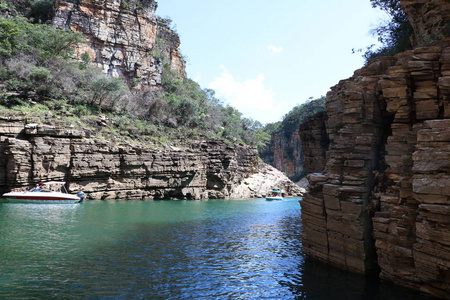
x,y
218,249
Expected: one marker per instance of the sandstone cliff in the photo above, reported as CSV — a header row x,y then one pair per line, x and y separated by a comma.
x,y
314,141
124,38
30,153
381,203
285,153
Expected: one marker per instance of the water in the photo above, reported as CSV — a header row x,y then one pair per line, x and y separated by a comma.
x,y
235,249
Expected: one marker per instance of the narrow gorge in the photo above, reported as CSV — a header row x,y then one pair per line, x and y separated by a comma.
x,y
378,158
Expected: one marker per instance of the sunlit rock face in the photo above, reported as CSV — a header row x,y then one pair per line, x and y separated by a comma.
x,y
106,170
123,37
284,152
32,153
381,203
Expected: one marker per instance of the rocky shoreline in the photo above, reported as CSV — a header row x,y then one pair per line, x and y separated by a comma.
x,y
208,169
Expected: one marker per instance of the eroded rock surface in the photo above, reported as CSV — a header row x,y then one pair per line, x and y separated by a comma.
x,y
382,202
124,37
30,153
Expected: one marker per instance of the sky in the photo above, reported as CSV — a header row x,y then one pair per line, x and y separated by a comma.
x,y
265,57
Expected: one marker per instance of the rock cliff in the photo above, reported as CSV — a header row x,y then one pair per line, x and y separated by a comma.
x,y
30,153
381,204
428,18
285,153
314,141
124,38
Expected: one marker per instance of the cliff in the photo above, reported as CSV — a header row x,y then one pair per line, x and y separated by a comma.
x,y
284,152
123,37
381,204
30,153
314,141
429,19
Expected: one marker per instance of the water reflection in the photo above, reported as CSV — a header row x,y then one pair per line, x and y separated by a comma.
x,y
248,249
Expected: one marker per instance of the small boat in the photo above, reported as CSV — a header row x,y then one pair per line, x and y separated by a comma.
x,y
47,192
274,195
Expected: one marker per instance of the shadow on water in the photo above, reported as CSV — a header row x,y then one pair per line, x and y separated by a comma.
x,y
247,249
322,281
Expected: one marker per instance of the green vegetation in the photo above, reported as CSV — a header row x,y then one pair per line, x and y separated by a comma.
x,y
297,116
290,123
38,11
394,34
40,78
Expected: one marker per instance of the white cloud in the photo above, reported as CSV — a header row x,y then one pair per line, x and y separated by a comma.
x,y
251,96
275,49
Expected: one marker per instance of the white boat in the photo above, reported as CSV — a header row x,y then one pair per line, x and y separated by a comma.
x,y
274,195
47,192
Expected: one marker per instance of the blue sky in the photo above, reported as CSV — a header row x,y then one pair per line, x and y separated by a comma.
x,y
265,57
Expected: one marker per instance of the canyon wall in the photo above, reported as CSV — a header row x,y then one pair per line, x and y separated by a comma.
x,y
381,203
429,19
30,153
315,142
123,37
284,152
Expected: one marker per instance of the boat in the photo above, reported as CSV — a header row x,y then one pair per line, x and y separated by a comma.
x,y
274,195
46,192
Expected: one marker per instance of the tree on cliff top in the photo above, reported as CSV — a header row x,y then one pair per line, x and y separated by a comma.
x,y
299,114
39,11
394,34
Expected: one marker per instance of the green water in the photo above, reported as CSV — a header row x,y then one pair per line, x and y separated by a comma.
x,y
235,249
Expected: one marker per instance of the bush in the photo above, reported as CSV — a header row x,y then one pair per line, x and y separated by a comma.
x,y
43,42
106,92
41,11
40,75
395,34
36,63
298,115
9,37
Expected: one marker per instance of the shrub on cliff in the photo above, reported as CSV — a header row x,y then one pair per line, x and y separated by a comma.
x,y
38,68
185,105
37,59
43,42
298,115
291,122
394,34
38,11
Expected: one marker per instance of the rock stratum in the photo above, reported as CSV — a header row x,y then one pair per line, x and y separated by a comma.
x,y
123,37
381,201
284,152
30,153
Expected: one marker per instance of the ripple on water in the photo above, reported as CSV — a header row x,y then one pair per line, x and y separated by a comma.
x,y
248,249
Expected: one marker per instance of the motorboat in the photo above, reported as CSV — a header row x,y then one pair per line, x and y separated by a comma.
x,y
46,192
274,195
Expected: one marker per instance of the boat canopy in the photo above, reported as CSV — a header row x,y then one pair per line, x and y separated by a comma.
x,y
54,183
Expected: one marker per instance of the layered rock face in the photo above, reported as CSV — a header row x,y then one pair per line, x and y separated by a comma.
x,y
123,37
382,202
428,18
285,153
32,153
315,142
